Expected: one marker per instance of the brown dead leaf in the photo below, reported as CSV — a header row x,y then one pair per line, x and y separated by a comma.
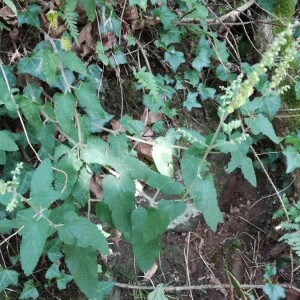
x,y
95,186
116,126
150,272
131,13
149,118
216,281
291,294
108,40
14,34
8,15
144,150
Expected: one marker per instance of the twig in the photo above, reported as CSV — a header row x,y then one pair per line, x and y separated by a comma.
x,y
198,287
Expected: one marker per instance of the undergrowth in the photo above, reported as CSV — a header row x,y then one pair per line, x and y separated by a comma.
x,y
55,137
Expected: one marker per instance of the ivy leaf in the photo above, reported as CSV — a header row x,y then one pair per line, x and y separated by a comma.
x,y
7,278
192,76
42,193
261,124
53,271
158,293
29,291
221,51
63,280
118,58
174,58
271,104
292,159
90,8
153,102
274,291
82,233
206,92
30,16
191,101
118,194
53,248
221,72
204,195
162,156
71,61
171,36
203,53
82,263
167,17
6,142
34,235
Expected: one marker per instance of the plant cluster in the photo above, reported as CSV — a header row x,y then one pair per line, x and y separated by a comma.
x,y
60,138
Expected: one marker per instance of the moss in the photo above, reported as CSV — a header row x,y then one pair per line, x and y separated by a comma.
x,y
284,10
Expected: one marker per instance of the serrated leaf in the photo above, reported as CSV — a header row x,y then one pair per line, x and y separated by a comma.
x,y
7,278
206,92
6,226
42,193
30,16
100,50
203,53
261,124
174,58
191,101
81,191
82,233
90,8
87,96
118,194
292,159
29,291
141,3
6,142
64,108
104,289
82,263
131,125
248,170
162,156
153,102
144,257
274,291
158,293
147,80
34,235
204,195
71,61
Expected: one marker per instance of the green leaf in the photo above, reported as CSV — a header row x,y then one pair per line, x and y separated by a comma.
x,y
81,191
87,96
162,156
82,233
248,170
30,16
2,156
206,92
204,195
132,126
29,291
53,271
297,89
90,8
261,124
141,3
271,104
42,194
118,58
221,51
203,53
63,280
147,80
167,17
158,293
171,36
64,108
104,289
274,291
174,58
222,72
82,263
34,235
153,102
71,61
7,278
191,101
100,50
192,76
118,194
6,142
6,226
144,257
267,5
53,248
11,5
292,159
